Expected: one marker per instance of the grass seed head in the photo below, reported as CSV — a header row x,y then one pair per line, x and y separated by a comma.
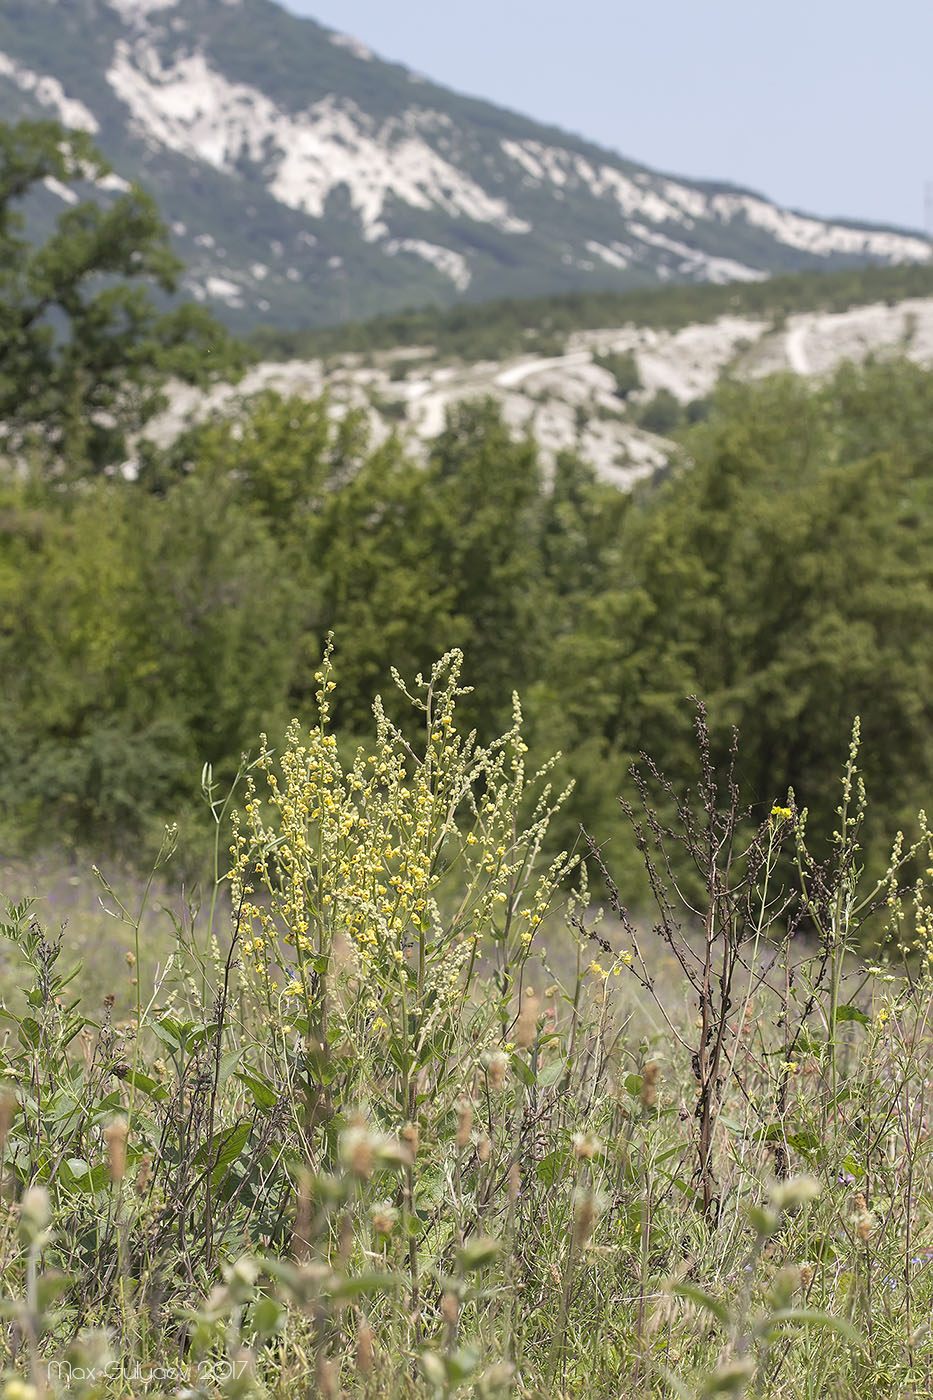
x,y
143,1174
364,1348
526,1027
301,1231
649,1084
862,1218
495,1063
35,1213
357,1149
7,1114
115,1138
464,1123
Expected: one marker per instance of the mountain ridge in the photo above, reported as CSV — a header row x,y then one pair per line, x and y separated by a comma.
x,y
308,181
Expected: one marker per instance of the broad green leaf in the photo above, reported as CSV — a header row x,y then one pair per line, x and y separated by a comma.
x,y
852,1013
813,1317
144,1083
704,1300
550,1073
264,1095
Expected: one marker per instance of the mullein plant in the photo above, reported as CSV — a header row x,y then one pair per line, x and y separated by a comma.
x,y
370,896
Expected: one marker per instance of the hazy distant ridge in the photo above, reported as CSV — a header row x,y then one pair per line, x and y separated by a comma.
x,y
308,181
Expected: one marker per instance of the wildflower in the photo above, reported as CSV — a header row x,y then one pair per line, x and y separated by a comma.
x,y
781,814
597,970
586,1146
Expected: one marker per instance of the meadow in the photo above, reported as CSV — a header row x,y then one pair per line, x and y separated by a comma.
x,y
391,1110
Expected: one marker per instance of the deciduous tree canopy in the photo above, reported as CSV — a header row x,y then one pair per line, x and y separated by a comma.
x,y
84,346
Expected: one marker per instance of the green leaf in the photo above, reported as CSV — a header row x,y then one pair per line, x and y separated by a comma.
x,y
852,1013
479,1253
227,1064
171,1032
813,1317
50,1286
75,1175
462,1363
268,1315
144,1083
805,1143
703,1300
523,1070
264,1095
30,1032
550,1073
552,1165
366,1283
225,1149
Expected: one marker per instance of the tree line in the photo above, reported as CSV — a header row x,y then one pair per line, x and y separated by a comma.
x,y
780,569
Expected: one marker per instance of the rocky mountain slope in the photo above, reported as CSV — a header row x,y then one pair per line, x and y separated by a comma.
x,y
571,401
307,181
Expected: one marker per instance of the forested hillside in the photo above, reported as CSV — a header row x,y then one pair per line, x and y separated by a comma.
x,y
513,326
782,574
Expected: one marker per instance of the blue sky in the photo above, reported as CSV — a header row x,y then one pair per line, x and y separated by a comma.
x,y
823,105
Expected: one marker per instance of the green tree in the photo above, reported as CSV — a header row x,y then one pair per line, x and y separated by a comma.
x,y
661,414
623,366
783,575
488,492
139,637
84,349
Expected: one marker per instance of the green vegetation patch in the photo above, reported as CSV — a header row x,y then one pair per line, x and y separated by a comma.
x,y
510,327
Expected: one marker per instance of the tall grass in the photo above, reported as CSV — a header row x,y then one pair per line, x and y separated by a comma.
x,y
396,1115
